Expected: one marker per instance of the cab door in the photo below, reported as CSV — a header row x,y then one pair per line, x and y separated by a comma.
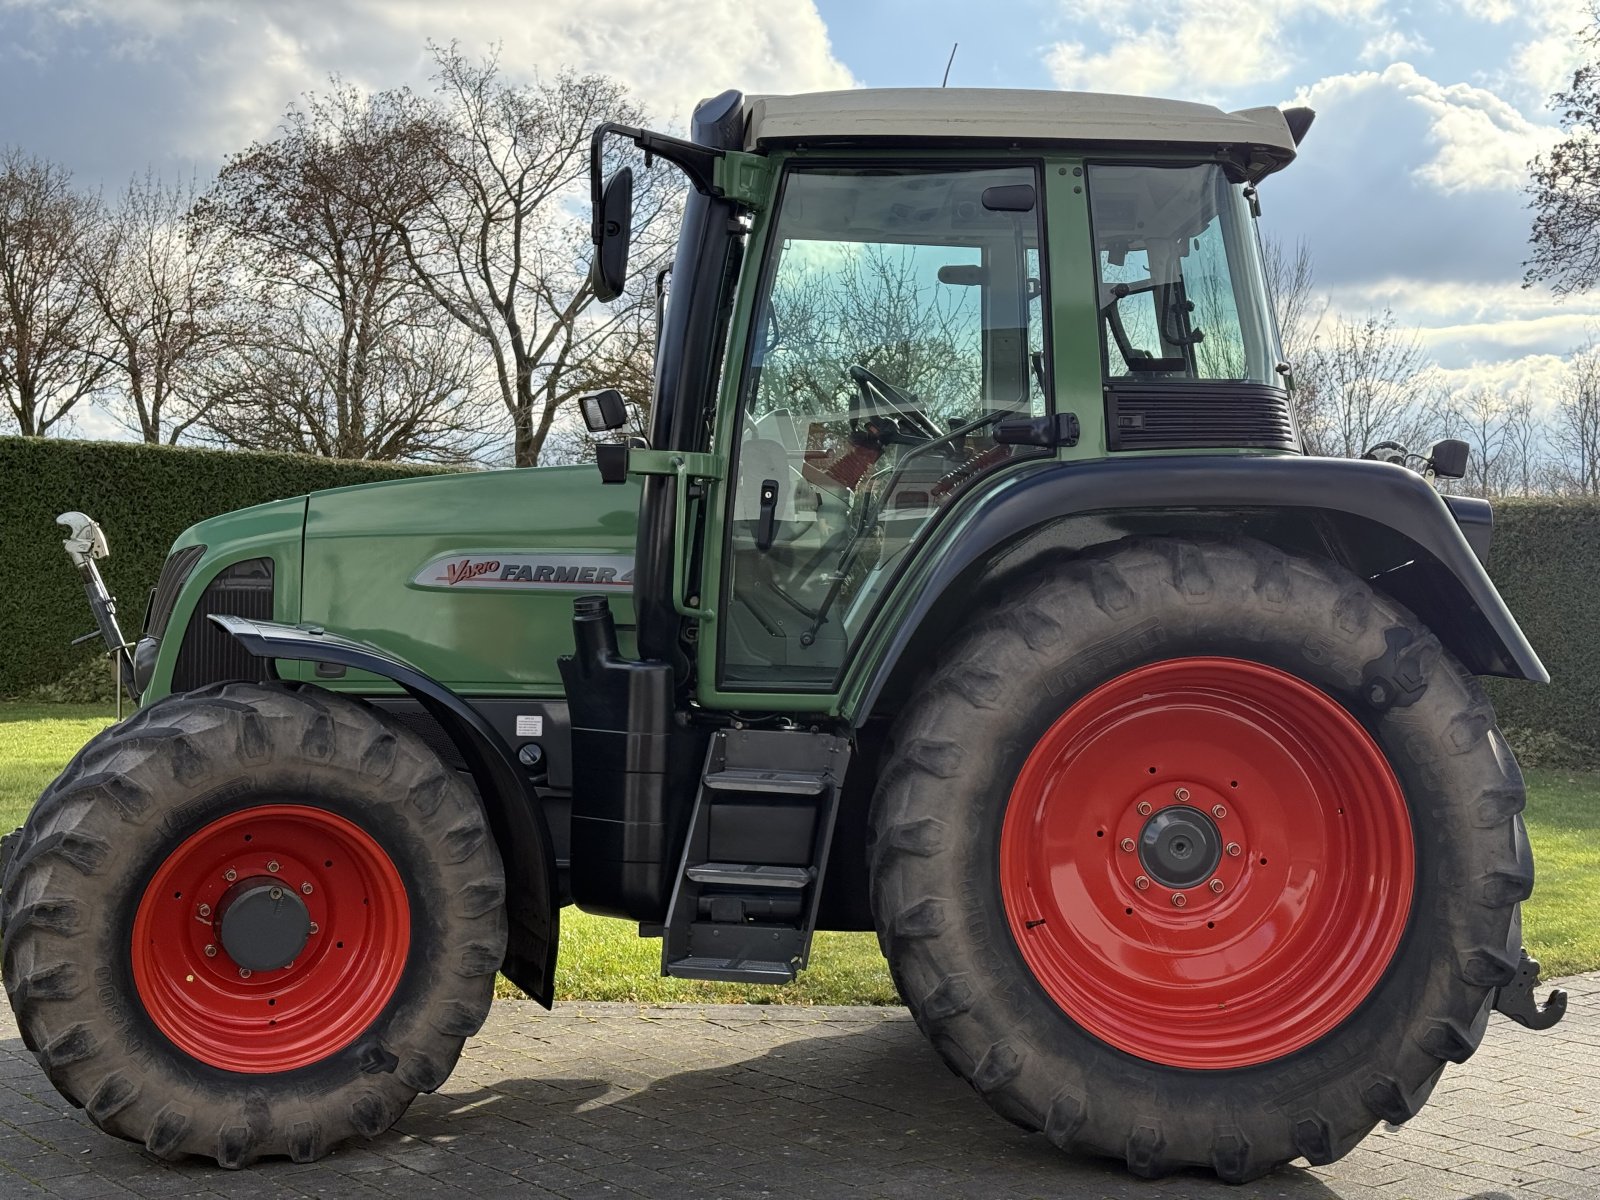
x,y
900,312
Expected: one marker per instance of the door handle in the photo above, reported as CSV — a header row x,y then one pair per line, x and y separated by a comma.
x,y
767,519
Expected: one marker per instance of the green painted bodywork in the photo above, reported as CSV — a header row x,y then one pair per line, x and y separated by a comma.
x,y
345,560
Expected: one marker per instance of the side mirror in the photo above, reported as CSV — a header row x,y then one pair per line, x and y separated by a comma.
x,y
603,410
1449,458
613,231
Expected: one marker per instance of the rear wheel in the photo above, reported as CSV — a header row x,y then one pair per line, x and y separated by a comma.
x,y
1200,854
252,920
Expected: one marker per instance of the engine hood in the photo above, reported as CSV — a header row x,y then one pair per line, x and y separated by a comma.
x,y
471,576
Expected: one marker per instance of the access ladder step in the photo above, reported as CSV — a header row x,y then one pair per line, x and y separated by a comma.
x,y
776,783
731,970
750,875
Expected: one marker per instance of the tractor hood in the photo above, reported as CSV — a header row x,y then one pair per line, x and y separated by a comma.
x,y
469,577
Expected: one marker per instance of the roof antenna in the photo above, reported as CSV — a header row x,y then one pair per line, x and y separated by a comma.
x,y
945,82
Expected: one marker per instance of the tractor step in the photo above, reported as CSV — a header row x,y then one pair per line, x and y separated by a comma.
x,y
776,783
745,903
749,875
727,970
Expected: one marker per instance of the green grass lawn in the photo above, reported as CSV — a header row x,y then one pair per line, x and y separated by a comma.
x,y
603,959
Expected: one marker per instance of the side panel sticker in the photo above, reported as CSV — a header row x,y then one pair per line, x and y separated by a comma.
x,y
525,570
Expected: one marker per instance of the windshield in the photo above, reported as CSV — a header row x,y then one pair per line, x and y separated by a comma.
x,y
1181,290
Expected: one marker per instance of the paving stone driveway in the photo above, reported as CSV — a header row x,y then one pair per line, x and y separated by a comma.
x,y
611,1100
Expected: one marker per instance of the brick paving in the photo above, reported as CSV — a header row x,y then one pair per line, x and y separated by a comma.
x,y
610,1100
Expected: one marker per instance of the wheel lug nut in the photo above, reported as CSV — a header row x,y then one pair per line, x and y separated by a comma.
x,y
1219,812
314,928
305,888
1215,885
273,866
230,874
1144,808
211,951
204,910
1181,794
1233,849
1142,884
1179,899
1127,844
244,972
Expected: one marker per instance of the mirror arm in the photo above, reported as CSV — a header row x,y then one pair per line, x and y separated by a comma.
x,y
698,162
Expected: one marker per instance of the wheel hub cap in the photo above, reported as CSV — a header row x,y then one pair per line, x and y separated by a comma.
x,y
1207,863
1180,847
264,926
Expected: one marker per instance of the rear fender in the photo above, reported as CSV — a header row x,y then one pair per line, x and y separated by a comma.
x,y
519,825
1380,521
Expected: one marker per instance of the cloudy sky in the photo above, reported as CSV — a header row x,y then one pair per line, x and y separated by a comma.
x,y
1408,190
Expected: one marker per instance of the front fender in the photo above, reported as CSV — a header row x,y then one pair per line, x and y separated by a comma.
x,y
519,825
1381,521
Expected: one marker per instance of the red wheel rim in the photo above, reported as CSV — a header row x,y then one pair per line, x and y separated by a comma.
x,y
275,1020
1277,943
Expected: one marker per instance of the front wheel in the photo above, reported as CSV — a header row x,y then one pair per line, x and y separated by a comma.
x,y
252,920
1198,854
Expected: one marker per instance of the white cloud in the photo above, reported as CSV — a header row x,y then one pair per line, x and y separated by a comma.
x,y
1478,141
1214,47
240,65
1391,45
1537,376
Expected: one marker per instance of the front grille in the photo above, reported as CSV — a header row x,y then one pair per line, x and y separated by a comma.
x,y
174,574
1199,415
207,654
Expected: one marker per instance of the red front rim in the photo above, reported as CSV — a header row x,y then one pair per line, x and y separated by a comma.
x,y
1281,937
275,1020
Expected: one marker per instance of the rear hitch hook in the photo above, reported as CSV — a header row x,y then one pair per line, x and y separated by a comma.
x,y
1518,1001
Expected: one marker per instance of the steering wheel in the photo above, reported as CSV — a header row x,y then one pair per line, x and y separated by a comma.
x,y
882,398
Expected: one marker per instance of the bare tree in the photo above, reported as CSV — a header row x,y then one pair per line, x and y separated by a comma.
x,y
503,247
160,284
1564,187
1524,446
1369,381
1481,418
352,359
281,377
1575,432
50,335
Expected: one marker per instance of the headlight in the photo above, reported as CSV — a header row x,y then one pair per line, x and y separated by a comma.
x,y
144,662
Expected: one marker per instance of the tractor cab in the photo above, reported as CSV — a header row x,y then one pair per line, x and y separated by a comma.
x,y
883,300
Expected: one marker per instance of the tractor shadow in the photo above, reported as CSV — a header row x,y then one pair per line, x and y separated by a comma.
x,y
872,1112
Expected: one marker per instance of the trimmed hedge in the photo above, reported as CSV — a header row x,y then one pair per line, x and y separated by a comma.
x,y
143,497
1545,560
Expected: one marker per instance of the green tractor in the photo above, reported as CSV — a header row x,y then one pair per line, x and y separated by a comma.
x,y
969,585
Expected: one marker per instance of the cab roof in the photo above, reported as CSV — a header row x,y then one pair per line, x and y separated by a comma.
x,y
1259,139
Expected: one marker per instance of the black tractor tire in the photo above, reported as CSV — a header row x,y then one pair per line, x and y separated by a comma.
x,y
1057,631
139,792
